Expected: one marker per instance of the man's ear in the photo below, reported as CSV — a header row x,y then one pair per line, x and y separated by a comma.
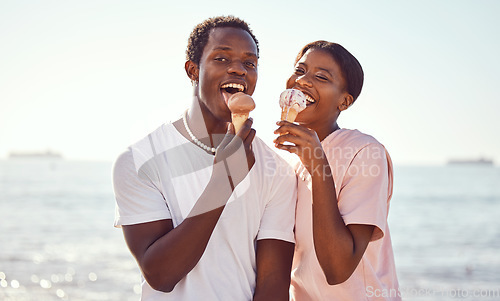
x,y
348,100
192,70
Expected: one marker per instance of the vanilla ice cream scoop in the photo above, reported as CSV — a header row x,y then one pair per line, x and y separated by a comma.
x,y
240,105
292,102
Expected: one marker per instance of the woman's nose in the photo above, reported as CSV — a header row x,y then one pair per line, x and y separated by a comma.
x,y
303,81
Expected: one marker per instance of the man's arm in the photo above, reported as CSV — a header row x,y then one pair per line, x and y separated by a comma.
x,y
274,264
166,254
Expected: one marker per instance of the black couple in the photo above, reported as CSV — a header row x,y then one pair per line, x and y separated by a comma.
x,y
213,213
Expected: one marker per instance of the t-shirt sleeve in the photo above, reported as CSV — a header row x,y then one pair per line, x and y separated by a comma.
x,y
278,220
366,188
138,200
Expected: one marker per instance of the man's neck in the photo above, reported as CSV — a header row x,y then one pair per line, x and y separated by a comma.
x,y
204,126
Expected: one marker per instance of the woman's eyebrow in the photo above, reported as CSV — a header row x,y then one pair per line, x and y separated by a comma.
x,y
326,70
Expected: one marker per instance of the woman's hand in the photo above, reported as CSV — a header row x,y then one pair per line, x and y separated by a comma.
x,y
305,142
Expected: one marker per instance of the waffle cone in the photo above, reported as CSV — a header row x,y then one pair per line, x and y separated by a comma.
x,y
289,114
238,120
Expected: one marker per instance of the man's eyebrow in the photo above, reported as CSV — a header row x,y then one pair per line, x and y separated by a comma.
x,y
251,54
227,48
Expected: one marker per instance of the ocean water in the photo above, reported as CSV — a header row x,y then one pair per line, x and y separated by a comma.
x,y
445,224
57,240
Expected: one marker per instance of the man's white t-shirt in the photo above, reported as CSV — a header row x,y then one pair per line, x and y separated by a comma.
x,y
162,176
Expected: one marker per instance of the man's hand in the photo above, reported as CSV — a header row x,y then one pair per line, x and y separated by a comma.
x,y
234,151
233,160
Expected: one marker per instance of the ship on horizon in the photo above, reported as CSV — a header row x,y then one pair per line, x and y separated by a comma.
x,y
480,161
35,155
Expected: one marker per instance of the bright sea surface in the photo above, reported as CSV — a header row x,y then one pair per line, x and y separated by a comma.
x,y
57,240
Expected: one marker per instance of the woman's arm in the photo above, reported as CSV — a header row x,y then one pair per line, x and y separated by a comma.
x,y
339,248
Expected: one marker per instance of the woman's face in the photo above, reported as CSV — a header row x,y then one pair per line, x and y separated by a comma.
x,y
319,76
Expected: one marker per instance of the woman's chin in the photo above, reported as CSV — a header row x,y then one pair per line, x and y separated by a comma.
x,y
302,117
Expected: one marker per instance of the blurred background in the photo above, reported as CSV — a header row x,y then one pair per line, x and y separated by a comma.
x,y
80,81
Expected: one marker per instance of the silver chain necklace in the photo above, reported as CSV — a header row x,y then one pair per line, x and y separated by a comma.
x,y
193,137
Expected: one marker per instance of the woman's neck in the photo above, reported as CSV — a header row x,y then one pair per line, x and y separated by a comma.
x,y
325,131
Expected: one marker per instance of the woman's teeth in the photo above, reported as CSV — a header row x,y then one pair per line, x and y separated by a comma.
x,y
310,99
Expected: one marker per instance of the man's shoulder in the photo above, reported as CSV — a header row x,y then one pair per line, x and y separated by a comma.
x,y
270,162
145,148
267,153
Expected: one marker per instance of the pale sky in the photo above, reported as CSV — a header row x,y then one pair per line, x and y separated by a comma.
x,y
88,78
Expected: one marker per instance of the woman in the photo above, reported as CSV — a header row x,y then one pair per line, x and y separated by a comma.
x,y
343,246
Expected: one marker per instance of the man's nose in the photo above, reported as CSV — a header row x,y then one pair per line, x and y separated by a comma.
x,y
237,67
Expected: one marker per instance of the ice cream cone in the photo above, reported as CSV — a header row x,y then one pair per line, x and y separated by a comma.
x,y
240,105
289,114
292,102
238,120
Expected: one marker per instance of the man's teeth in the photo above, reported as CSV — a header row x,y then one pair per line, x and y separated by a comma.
x,y
309,98
240,87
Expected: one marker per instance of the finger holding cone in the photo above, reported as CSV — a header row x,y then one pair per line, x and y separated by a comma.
x,y
240,105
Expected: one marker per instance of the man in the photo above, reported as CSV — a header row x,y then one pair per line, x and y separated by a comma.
x,y
209,213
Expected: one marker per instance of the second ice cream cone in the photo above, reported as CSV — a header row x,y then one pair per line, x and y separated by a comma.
x,y
289,114
292,102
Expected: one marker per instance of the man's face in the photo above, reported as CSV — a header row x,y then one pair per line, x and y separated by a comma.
x,y
228,65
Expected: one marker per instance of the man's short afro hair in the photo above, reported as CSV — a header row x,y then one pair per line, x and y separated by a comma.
x,y
199,36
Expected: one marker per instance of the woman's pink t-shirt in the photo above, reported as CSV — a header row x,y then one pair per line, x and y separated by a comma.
x,y
362,172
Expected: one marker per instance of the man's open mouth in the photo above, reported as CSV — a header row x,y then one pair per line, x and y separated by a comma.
x,y
231,88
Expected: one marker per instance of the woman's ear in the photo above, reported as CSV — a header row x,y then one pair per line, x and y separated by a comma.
x,y
348,100
192,70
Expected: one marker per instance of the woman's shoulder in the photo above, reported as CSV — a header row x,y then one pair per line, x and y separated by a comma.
x,y
349,138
